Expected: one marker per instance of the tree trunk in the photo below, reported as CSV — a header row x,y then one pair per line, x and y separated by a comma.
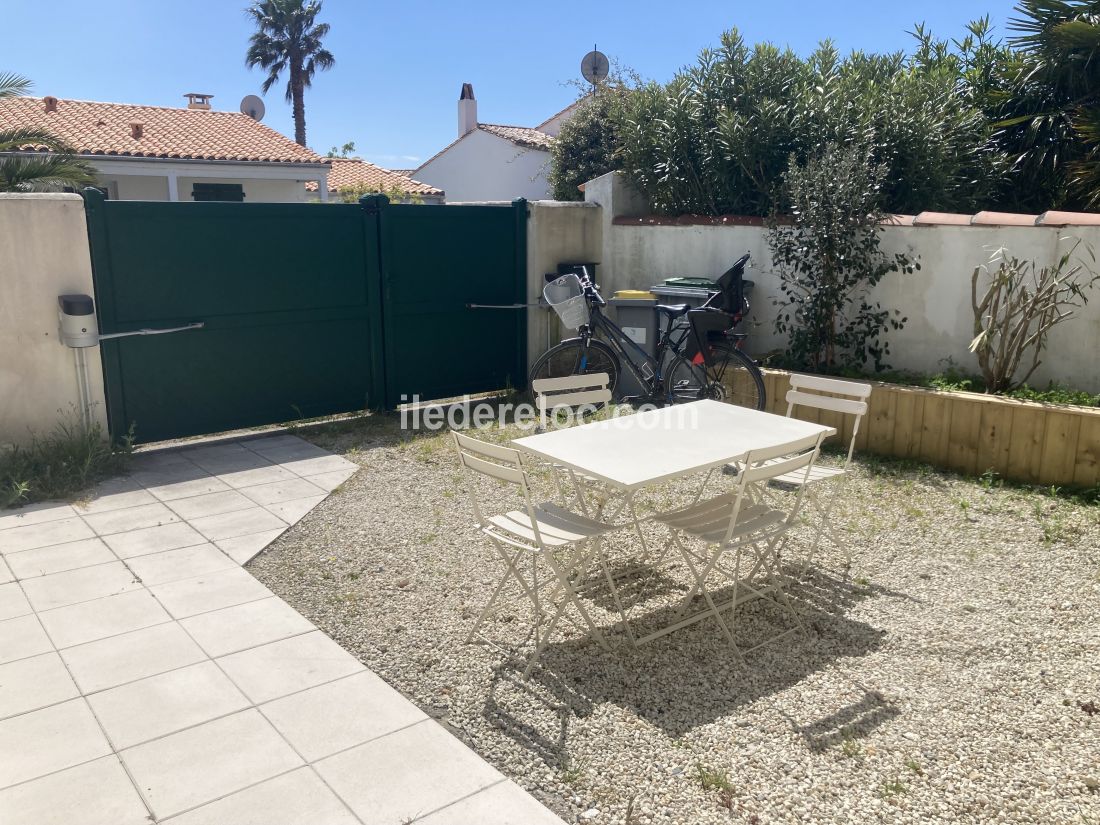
x,y
297,93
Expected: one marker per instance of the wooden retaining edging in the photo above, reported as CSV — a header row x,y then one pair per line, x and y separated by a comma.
x,y
967,432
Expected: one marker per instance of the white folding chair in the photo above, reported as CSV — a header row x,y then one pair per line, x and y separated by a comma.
x,y
740,523
540,533
579,394
847,398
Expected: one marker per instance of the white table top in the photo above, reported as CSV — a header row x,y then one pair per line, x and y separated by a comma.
x,y
633,451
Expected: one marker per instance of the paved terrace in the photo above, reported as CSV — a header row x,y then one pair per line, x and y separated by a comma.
x,y
145,676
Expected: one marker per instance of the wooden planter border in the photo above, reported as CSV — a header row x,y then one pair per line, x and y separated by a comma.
x,y
970,433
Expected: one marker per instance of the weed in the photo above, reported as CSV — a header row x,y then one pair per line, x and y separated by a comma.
x,y
851,748
572,772
892,787
713,779
915,767
62,464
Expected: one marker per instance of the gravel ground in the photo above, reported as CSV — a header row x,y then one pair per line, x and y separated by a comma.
x,y
953,676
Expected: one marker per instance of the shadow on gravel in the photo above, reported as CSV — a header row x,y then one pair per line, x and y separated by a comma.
x,y
851,722
691,677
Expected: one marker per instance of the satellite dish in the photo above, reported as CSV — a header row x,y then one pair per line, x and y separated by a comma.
x,y
253,107
594,67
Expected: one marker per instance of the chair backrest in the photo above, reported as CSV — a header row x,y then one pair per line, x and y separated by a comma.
x,y
571,391
503,463
806,391
762,465
496,461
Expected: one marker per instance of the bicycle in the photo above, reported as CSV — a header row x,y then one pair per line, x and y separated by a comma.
x,y
701,359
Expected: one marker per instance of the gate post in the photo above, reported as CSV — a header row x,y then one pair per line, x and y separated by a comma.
x,y
519,206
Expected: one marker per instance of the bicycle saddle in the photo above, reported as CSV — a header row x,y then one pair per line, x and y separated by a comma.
x,y
673,310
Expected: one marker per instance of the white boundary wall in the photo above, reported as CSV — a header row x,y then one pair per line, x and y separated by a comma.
x,y
43,254
935,299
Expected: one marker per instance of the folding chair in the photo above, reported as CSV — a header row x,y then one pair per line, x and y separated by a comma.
x,y
537,532
580,392
740,523
806,391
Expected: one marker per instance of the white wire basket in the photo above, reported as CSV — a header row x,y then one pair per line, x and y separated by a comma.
x,y
566,296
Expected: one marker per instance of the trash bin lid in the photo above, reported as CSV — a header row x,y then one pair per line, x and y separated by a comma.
x,y
693,283
635,295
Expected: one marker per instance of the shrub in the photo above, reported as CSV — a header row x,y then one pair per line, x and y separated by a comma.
x,y
829,259
585,147
1021,304
717,138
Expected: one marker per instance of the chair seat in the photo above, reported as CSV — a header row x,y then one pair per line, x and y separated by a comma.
x,y
556,525
817,473
709,520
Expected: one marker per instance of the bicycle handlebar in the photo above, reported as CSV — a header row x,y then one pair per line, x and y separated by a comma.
x,y
591,289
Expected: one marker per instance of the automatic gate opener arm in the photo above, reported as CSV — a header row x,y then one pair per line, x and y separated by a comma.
x,y
195,325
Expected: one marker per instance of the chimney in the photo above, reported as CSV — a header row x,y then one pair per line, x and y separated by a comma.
x,y
198,100
136,129
50,103
467,110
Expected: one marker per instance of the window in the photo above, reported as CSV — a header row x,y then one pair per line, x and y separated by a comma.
x,y
218,192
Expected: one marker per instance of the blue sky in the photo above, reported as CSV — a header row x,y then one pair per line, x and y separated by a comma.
x,y
400,65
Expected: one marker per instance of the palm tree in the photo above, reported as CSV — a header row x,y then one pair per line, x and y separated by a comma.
x,y
53,166
288,38
1050,118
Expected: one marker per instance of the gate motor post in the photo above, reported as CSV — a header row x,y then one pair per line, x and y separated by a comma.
x,y
78,329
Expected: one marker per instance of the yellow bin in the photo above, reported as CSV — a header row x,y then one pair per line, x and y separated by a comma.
x,y
635,295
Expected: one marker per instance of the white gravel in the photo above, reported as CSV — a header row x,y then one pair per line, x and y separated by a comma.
x,y
953,677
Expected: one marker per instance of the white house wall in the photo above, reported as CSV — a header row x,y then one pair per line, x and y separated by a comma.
x,y
147,179
137,187
484,167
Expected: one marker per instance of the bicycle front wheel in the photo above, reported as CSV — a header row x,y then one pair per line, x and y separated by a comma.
x,y
575,357
731,377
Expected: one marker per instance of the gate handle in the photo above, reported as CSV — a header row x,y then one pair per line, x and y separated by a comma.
x,y
194,325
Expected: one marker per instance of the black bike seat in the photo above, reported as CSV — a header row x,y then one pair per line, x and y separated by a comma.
x,y
673,310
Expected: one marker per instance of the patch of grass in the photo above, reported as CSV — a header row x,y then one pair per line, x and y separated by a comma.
x,y
62,464
851,749
711,779
915,767
892,787
572,772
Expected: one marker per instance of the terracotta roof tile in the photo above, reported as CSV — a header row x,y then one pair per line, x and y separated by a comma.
x,y
519,135
987,218
356,172
941,219
196,134
1055,218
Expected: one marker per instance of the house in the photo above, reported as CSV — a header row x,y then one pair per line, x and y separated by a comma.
x,y
162,153
492,162
353,176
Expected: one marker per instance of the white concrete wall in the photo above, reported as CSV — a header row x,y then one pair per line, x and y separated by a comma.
x,y
484,167
557,232
43,254
936,299
138,188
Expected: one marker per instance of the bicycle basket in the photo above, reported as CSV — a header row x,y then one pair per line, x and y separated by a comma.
x,y
566,296
708,324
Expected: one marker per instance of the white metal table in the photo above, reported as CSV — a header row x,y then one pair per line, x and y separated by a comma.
x,y
631,452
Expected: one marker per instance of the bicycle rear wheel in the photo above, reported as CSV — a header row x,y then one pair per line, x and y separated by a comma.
x,y
575,357
731,377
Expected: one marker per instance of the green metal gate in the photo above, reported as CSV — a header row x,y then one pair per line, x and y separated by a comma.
x,y
307,309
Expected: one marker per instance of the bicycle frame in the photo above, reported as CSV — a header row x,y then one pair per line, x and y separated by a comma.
x,y
631,355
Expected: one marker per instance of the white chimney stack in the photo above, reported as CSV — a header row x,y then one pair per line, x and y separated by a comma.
x,y
467,110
